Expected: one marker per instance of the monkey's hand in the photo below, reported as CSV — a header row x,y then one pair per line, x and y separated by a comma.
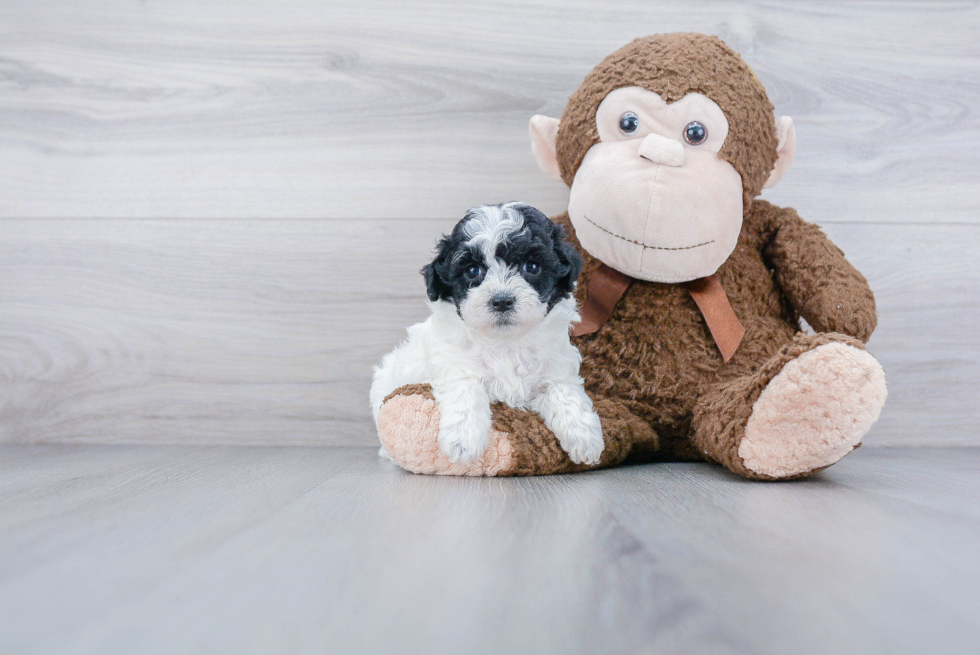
x,y
821,284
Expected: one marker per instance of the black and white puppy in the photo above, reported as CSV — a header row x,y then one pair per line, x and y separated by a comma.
x,y
500,291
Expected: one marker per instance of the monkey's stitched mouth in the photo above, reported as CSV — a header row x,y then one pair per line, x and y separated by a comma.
x,y
640,243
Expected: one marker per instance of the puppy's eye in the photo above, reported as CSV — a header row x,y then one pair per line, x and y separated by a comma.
x,y
695,133
531,268
629,123
473,271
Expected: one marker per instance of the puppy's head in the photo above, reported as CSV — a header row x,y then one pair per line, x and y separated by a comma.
x,y
504,266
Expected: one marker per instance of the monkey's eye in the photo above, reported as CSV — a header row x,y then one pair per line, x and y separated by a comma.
x,y
695,133
629,123
473,271
531,268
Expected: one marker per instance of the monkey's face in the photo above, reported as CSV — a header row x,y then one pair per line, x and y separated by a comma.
x,y
652,199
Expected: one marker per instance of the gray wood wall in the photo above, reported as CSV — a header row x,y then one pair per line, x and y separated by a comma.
x,y
212,214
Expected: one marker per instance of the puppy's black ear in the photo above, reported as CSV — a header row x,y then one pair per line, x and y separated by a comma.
x,y
437,272
570,260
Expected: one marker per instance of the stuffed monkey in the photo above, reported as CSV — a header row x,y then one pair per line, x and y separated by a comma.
x,y
692,289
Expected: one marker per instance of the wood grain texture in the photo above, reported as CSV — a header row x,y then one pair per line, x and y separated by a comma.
x,y
264,332
383,109
259,550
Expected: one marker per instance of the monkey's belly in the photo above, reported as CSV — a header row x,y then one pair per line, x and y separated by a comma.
x,y
660,368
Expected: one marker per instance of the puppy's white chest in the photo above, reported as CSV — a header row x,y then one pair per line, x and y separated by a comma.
x,y
513,375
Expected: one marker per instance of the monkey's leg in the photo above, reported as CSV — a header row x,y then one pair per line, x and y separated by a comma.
x,y
800,412
519,444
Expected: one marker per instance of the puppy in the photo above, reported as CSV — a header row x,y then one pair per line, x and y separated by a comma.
x,y
500,291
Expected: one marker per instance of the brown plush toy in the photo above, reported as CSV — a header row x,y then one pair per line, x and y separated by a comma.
x,y
692,290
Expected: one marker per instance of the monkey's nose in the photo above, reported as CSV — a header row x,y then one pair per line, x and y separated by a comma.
x,y
661,150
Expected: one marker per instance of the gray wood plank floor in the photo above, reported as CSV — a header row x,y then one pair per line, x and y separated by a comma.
x,y
152,549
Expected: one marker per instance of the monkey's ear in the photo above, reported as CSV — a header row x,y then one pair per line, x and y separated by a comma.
x,y
786,147
435,273
544,134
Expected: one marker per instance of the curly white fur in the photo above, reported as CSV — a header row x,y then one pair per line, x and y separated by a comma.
x,y
536,368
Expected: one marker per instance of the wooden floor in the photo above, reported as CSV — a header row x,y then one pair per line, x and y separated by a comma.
x,y
157,549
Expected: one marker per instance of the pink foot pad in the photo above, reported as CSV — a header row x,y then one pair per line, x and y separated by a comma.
x,y
815,411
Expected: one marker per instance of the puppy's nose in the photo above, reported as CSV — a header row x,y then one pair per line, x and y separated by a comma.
x,y
661,150
502,302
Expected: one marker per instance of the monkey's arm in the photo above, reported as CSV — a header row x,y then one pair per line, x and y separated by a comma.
x,y
821,284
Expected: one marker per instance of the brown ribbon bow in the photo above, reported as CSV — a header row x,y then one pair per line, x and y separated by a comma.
x,y
607,286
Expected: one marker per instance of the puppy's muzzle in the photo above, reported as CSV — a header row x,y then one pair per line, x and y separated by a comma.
x,y
502,302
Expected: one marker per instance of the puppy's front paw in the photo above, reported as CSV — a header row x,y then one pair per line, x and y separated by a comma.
x,y
462,445
582,438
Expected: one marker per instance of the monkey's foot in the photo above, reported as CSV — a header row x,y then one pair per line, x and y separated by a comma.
x,y
408,426
813,412
519,442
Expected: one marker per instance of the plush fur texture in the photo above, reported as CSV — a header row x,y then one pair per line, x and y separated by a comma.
x,y
653,371
500,290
